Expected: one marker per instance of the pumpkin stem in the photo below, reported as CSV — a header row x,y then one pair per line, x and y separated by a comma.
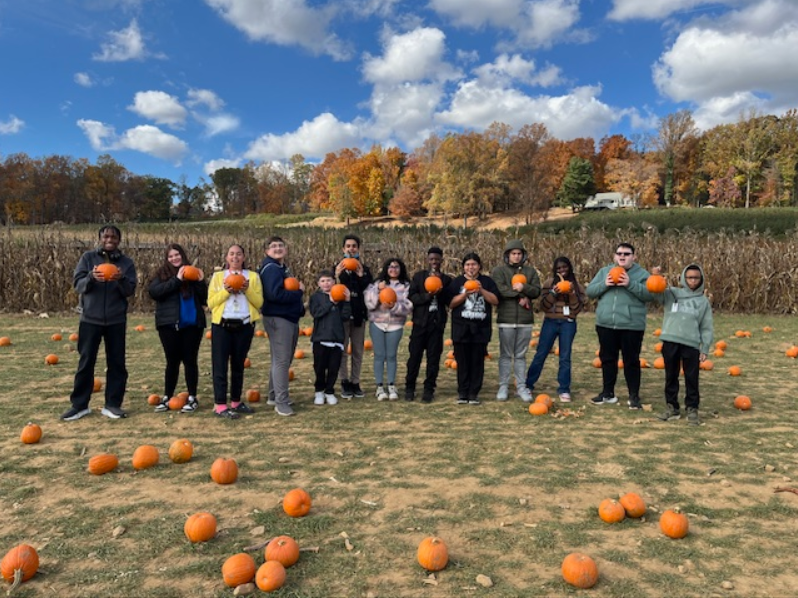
x,y
17,581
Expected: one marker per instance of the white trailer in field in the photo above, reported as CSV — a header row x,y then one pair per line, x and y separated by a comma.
x,y
609,201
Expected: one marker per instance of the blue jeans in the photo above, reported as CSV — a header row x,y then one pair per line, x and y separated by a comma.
x,y
386,348
552,329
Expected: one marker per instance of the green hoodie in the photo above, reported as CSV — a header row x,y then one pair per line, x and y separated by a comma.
x,y
621,308
509,311
688,315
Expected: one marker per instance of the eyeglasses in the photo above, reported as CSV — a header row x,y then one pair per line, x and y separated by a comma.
x,y
623,253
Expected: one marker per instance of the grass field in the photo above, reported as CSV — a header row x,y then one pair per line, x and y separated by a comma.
x,y
511,494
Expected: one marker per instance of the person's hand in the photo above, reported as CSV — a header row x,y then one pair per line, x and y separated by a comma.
x,y
656,270
179,274
702,357
518,287
624,281
381,285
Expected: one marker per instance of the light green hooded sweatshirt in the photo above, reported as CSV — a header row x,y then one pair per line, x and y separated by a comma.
x,y
688,314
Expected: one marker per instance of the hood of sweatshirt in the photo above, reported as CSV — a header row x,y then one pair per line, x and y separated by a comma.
x,y
514,244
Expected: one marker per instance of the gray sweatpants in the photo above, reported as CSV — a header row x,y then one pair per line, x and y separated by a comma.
x,y
513,345
283,336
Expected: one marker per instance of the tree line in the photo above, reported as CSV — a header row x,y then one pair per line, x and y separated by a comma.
x,y
753,162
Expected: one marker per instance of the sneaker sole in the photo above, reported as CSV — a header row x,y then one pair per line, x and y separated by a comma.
x,y
669,418
77,416
284,414
110,415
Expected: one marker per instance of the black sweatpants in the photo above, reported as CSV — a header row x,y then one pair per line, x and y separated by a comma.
x,y
89,338
628,343
470,358
181,346
427,339
326,363
229,346
677,357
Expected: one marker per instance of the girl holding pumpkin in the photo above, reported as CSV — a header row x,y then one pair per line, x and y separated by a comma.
x,y
471,297
561,302
180,293
235,297
388,307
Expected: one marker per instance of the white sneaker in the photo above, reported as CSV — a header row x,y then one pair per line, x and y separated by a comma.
x,y
392,393
525,394
331,399
381,394
565,397
319,398
502,394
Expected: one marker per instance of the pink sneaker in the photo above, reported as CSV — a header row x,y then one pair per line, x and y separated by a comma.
x,y
565,398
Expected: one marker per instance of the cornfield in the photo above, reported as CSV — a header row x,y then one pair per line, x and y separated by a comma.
x,y
746,273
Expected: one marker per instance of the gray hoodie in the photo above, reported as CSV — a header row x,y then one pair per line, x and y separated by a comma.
x,y
688,315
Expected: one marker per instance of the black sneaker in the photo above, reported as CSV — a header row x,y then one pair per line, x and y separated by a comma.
x,y
603,399
163,405
346,389
191,406
474,401
670,413
634,402
73,414
410,394
692,416
113,412
227,414
428,396
357,391
243,408
462,401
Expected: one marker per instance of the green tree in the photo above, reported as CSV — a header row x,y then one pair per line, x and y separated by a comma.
x,y
578,184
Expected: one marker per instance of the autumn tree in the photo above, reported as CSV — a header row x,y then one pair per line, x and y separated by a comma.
x,y
637,177
578,184
529,169
615,147
724,191
672,143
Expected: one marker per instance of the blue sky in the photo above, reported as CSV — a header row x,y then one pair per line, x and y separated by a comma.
x,y
177,88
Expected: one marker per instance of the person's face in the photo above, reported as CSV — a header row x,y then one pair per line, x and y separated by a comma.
x,y
563,270
471,268
624,257
235,258
692,279
325,284
434,261
174,258
393,270
351,248
109,240
277,250
515,256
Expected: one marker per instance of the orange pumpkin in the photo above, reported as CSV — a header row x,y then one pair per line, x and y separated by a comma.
x,y
5,341
659,363
270,576
611,511
145,456
299,354
633,504
433,284
309,331
453,365
580,570
433,554
719,353
742,402
706,365
236,281
792,352
73,337
191,273
722,345
616,273
448,342
51,359
140,328
658,331
538,409
238,569
208,335
177,403
56,337
735,370
108,271
98,385
338,293
153,399
224,471
282,549
767,329
31,433
388,296
181,451
674,524
740,334
21,562
656,283
545,399
471,285
368,344
658,347
103,463
350,263
518,278
291,374
563,287
200,527
253,395
596,362
290,283
296,503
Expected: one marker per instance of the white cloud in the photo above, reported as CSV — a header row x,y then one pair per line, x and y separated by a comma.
x,y
83,79
414,56
204,97
11,126
718,111
535,22
145,139
160,107
624,10
577,114
507,68
284,22
313,139
123,45
404,111
213,165
744,59
219,123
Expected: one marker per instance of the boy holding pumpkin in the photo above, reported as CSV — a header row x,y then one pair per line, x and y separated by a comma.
x,y
329,313
686,339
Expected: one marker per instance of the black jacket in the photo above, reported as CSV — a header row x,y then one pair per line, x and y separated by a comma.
x,y
167,295
328,318
104,303
423,316
357,285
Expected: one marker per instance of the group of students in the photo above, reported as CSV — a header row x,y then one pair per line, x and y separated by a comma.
x,y
349,299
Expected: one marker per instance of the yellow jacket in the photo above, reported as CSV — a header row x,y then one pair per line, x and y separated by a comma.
x,y
218,296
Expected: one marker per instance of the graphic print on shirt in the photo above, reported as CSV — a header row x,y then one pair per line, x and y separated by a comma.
x,y
474,307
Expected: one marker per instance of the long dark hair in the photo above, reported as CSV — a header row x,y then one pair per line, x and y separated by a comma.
x,y
562,260
383,275
166,270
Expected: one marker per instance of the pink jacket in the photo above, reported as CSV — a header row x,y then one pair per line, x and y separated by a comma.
x,y
383,316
